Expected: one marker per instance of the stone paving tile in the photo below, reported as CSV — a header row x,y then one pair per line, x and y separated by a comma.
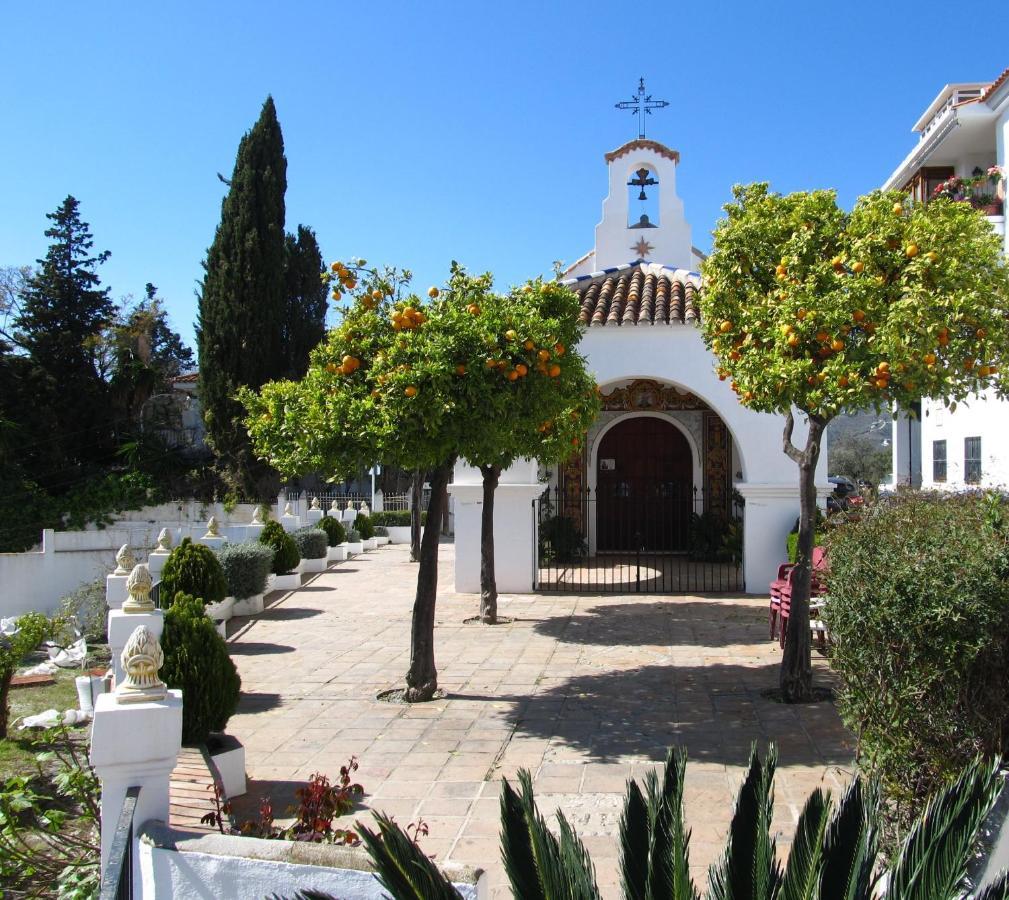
x,y
583,691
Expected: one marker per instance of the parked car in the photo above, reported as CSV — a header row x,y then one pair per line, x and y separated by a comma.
x,y
845,494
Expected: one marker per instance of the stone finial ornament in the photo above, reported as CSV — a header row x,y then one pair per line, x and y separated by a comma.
x,y
257,516
287,509
125,560
138,586
165,540
315,503
334,507
212,528
141,659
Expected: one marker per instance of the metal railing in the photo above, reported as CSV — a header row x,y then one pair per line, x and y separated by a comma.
x,y
117,879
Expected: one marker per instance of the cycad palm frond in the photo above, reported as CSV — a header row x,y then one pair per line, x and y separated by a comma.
x,y
933,859
851,844
400,865
748,869
539,866
806,858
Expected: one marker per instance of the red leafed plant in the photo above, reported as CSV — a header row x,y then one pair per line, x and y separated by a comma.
x,y
319,803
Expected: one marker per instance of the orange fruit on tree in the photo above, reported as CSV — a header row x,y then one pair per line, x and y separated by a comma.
x,y
543,355
512,375
511,334
858,267
460,369
528,345
837,345
984,371
335,266
410,391
800,314
930,359
882,382
559,349
932,256
725,327
473,309
793,340
554,370
981,333
522,369
898,209
842,381
823,337
858,315
433,292
491,363
911,251
377,294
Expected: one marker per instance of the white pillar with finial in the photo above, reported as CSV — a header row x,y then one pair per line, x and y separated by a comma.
x,y
289,520
135,741
157,558
115,584
136,611
315,513
255,528
213,538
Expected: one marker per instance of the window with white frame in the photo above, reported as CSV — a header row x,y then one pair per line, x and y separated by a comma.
x,y
972,460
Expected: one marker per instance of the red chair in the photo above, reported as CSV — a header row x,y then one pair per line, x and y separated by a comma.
x,y
781,592
777,586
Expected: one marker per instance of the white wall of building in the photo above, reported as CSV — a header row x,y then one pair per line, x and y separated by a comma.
x,y
984,416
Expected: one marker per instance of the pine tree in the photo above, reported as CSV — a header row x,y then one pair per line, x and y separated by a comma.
x,y
63,311
243,299
307,298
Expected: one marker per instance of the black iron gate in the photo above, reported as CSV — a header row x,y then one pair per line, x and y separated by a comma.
x,y
665,541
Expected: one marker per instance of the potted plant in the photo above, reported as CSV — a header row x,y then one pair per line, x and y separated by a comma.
x,y
194,569
313,545
397,523
364,526
286,558
337,538
247,570
354,542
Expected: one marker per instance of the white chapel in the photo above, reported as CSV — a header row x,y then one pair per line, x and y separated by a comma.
x,y
672,450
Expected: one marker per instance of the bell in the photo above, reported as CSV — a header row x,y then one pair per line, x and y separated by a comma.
x,y
642,196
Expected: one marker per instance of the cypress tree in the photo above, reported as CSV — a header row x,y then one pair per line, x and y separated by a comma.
x,y
307,298
242,303
63,312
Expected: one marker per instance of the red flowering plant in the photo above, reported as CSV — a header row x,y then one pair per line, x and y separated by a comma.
x,y
981,190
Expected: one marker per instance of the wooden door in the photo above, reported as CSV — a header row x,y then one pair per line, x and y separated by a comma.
x,y
644,487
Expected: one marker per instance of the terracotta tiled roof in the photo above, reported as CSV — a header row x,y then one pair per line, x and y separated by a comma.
x,y
638,294
190,378
643,144
994,86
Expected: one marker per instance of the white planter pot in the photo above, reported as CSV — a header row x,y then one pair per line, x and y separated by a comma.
x,y
354,548
270,581
248,606
88,689
338,553
221,612
222,629
314,565
289,582
382,539
300,567
229,758
371,544
400,534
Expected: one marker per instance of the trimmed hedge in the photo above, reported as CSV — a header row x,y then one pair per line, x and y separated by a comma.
x,y
197,661
381,531
919,617
285,551
335,531
396,518
364,526
353,536
195,570
246,567
313,543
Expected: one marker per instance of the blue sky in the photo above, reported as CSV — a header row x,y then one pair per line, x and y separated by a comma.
x,y
418,133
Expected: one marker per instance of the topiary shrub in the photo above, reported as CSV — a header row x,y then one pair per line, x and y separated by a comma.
x,y
192,569
312,542
353,536
285,551
396,518
246,567
335,531
919,618
363,525
197,662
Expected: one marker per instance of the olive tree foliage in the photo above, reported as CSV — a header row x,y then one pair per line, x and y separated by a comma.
x,y
396,382
538,398
812,310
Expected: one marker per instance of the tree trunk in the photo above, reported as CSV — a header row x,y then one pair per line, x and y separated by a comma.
x,y
488,580
416,497
796,677
422,677
5,688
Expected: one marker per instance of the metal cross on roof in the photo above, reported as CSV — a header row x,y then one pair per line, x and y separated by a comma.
x,y
642,105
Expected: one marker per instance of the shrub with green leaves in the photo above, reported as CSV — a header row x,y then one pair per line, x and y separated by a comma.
x,y
353,536
285,551
312,542
192,569
31,629
381,531
335,532
197,662
364,526
395,518
919,618
88,607
246,567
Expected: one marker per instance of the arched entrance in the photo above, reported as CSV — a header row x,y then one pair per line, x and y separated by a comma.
x,y
644,487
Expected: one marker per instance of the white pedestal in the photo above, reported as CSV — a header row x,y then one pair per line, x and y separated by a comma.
x,y
248,606
370,544
381,539
230,761
337,553
115,590
221,612
289,582
122,625
290,523
311,566
156,560
252,532
135,745
214,543
314,516
400,534
355,547
513,557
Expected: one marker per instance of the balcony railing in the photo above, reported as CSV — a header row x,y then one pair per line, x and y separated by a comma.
x,y
117,879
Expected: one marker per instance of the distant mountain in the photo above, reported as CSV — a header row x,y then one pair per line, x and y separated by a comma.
x,y
873,426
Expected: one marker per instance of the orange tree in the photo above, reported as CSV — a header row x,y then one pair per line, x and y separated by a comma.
x,y
815,309
538,398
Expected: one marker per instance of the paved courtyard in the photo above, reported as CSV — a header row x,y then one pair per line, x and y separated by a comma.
x,y
584,691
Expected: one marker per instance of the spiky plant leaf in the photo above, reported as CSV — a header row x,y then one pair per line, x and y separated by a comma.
x,y
400,865
995,890
516,846
932,863
851,844
635,839
579,873
806,858
748,869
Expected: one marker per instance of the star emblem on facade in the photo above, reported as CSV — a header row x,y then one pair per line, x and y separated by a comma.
x,y
642,248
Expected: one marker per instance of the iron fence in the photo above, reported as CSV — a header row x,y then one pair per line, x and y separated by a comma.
x,y
626,539
117,879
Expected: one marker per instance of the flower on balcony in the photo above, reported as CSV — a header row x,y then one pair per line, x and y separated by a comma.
x,y
980,190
